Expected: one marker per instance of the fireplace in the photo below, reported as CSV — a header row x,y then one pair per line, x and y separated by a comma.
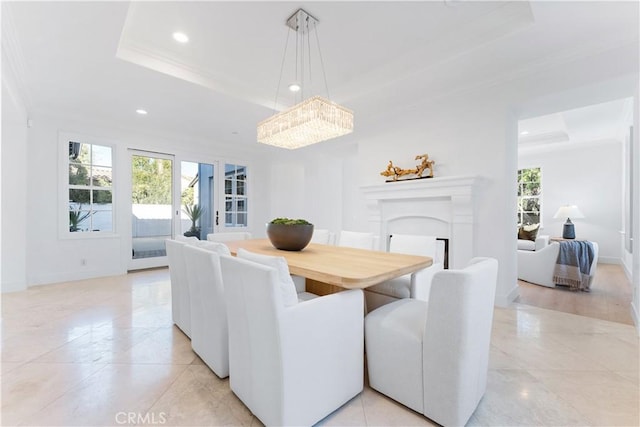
x,y
442,207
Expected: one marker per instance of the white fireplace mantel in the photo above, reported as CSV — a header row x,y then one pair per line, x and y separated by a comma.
x,y
442,206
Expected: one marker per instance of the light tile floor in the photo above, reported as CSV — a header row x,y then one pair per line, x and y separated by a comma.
x,y
104,352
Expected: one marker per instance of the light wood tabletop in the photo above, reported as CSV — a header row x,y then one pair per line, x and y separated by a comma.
x,y
347,268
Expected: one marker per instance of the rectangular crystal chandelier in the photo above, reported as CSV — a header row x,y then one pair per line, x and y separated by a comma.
x,y
313,120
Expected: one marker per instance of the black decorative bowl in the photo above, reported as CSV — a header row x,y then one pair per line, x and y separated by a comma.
x,y
290,237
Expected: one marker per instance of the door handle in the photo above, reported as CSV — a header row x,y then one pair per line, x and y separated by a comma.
x,y
217,217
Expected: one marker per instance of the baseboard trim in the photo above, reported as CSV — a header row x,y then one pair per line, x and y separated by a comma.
x,y
627,272
609,260
74,276
506,299
8,287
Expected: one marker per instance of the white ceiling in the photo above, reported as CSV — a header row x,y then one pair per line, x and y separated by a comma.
x,y
606,121
100,60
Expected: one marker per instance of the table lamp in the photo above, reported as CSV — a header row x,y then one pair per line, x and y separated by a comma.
x,y
569,211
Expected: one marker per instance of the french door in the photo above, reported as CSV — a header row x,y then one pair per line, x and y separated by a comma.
x,y
171,197
197,199
152,208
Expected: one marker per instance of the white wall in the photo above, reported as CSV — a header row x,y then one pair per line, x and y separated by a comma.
x,y
14,190
635,282
310,184
53,256
464,135
589,175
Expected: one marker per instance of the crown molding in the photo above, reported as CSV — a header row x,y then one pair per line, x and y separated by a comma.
x,y
514,74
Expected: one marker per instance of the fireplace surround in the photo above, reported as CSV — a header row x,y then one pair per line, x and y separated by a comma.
x,y
443,207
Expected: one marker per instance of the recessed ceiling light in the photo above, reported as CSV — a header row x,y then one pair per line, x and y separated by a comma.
x,y
141,111
524,132
180,37
294,87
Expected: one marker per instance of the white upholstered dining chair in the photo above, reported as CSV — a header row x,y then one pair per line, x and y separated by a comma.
x,y
356,239
433,356
180,301
290,365
288,282
228,237
209,335
323,237
414,285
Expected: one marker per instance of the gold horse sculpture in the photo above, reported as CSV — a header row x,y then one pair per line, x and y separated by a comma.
x,y
396,172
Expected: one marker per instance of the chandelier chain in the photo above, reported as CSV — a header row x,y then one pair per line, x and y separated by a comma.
x,y
284,56
302,85
324,74
309,49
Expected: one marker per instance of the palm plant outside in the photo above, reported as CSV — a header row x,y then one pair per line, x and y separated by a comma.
x,y
77,217
194,212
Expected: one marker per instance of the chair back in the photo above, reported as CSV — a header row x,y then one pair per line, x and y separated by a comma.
x,y
411,244
456,340
228,237
180,301
321,236
209,336
191,239
217,247
356,239
254,306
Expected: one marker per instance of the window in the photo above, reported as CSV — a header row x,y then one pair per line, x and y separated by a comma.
x,y
529,196
235,196
90,187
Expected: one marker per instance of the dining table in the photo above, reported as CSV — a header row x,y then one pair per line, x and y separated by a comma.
x,y
330,268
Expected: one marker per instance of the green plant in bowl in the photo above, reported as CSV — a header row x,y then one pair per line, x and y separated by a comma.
x,y
289,234
289,221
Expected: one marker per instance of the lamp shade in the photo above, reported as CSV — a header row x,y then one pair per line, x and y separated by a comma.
x,y
568,211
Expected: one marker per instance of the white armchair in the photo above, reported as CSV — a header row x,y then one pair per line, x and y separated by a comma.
x,y
537,266
433,356
414,285
209,335
290,365
228,237
530,245
180,301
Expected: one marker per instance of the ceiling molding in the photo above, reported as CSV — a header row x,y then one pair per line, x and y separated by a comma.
x,y
563,57
568,145
78,123
543,138
526,70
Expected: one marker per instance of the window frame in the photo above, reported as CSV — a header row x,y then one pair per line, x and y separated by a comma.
x,y
63,220
520,195
233,196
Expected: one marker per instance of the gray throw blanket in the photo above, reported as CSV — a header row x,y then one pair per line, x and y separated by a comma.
x,y
573,265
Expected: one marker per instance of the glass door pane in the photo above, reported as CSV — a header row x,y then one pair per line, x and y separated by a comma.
x,y
197,199
151,208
